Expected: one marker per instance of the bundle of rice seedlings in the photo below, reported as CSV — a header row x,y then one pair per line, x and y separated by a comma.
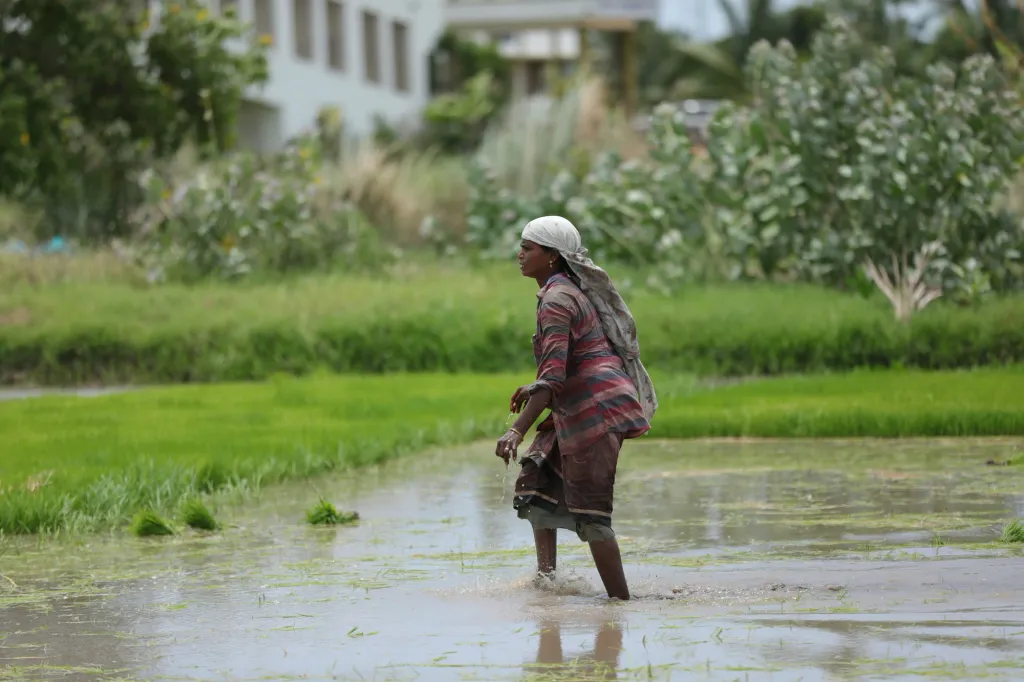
x,y
1013,532
148,523
195,514
323,513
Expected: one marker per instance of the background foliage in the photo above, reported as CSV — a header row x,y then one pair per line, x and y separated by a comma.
x,y
839,170
92,92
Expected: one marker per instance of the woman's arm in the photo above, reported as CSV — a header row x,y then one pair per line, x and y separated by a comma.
x,y
513,438
555,320
538,402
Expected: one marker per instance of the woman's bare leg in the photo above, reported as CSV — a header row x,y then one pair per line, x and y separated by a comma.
x,y
546,542
609,564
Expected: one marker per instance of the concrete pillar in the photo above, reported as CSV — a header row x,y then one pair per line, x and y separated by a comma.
x,y
584,62
630,74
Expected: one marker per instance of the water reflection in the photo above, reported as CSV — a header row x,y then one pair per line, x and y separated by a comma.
x,y
599,662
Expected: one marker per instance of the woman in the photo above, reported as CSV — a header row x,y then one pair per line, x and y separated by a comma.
x,y
589,373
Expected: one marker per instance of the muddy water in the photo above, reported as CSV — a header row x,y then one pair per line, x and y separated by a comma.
x,y
782,561
86,392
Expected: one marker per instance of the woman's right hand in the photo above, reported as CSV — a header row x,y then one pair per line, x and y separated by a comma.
x,y
519,398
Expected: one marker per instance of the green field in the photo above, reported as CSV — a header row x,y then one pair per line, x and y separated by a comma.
x,y
425,317
78,464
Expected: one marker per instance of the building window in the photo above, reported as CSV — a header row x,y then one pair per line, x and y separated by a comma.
x,y
263,18
302,19
229,5
400,43
335,35
371,47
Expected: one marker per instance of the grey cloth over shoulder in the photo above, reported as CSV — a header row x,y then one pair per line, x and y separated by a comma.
x,y
555,232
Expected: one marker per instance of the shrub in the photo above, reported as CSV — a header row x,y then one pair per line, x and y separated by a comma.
x,y
837,172
245,216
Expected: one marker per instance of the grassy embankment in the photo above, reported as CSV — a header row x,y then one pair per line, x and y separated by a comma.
x,y
73,464
98,327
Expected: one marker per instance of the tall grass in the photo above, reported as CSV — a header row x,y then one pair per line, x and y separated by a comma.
x,y
448,317
77,465
397,193
526,146
537,137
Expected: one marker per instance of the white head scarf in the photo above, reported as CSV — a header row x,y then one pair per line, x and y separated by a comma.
x,y
555,232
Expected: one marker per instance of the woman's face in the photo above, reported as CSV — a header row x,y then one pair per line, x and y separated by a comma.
x,y
534,261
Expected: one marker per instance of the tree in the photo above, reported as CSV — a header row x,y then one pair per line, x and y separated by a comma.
x,y
90,92
716,69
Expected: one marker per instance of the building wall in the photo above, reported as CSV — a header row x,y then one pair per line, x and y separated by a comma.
x,y
299,87
543,44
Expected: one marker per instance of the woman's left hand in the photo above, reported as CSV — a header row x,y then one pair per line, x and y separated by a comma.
x,y
507,445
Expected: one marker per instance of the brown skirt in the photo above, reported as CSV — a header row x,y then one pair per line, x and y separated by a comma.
x,y
574,491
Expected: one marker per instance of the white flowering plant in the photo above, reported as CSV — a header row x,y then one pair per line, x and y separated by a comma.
x,y
245,216
838,172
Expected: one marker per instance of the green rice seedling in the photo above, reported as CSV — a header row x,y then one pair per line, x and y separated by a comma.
x,y
1013,532
195,514
1016,460
323,513
148,523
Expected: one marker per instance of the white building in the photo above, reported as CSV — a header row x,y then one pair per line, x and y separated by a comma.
x,y
531,52
536,35
366,57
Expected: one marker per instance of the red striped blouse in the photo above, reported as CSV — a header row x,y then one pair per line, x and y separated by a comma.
x,y
591,393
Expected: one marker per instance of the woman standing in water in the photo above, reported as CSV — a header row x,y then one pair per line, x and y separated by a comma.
x,y
589,373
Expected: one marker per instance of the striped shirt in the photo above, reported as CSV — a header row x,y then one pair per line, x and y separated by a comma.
x,y
591,393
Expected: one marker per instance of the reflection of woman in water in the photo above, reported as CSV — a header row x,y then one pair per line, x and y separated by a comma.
x,y
589,373
599,664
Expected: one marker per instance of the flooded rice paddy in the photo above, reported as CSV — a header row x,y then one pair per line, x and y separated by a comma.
x,y
748,561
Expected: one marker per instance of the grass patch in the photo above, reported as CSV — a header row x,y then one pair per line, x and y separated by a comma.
x,y
195,514
324,513
892,404
1013,532
427,317
74,464
148,523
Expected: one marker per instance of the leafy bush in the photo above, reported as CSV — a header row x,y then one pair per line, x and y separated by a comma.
x,y
838,172
246,216
456,121
842,169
